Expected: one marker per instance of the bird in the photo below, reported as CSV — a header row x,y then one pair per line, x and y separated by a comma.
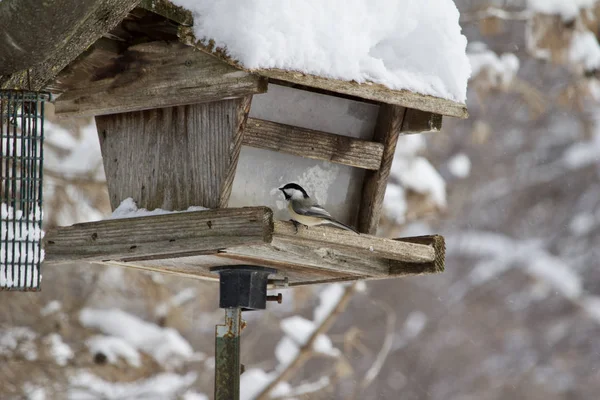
x,y
305,211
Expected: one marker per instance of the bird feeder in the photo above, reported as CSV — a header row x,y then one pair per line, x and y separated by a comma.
x,y
181,124
21,171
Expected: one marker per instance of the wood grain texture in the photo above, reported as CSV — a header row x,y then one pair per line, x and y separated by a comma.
x,y
241,116
313,144
168,10
436,242
370,91
416,121
387,130
160,236
358,245
171,158
157,74
51,34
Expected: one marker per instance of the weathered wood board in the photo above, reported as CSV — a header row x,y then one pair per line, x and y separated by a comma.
x,y
190,243
175,157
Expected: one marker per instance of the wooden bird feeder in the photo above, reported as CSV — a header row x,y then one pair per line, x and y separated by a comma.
x,y
182,125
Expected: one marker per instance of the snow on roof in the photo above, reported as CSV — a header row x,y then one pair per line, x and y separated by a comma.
x,y
412,45
567,9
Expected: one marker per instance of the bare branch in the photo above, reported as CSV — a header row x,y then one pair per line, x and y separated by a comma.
x,y
305,351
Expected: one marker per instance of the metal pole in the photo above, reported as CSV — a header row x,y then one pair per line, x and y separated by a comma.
x,y
227,356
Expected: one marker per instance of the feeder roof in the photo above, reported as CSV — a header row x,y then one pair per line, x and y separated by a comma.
x,y
406,53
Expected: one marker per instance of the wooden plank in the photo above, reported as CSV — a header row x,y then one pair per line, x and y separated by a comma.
x,y
172,158
241,116
158,74
281,254
416,121
46,36
160,236
387,129
169,10
358,245
437,242
313,144
370,91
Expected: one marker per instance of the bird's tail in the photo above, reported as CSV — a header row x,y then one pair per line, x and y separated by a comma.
x,y
341,225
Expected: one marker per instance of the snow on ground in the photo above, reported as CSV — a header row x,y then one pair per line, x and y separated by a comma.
x,y
329,297
165,386
585,51
50,308
128,209
500,71
254,380
567,9
163,308
460,165
166,345
59,350
18,340
113,348
414,45
33,392
26,235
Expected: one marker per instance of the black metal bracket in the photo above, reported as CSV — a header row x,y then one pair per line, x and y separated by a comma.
x,y
241,288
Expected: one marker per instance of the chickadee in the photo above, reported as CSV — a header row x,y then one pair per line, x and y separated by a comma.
x,y
305,210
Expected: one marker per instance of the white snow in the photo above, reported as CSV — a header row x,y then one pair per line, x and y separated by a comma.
x,y
414,324
582,224
419,175
60,351
413,45
34,392
164,386
500,71
192,395
114,347
254,380
584,50
460,165
18,228
582,154
166,345
18,340
329,297
129,209
567,9
186,295
394,203
50,308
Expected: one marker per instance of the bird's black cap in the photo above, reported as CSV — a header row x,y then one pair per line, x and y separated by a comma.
x,y
293,186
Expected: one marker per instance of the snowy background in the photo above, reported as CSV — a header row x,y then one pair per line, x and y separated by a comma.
x,y
514,189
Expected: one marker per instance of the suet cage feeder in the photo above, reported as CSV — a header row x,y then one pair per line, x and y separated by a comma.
x,y
21,173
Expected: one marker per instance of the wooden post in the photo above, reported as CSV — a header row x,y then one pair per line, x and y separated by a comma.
x,y
387,130
175,157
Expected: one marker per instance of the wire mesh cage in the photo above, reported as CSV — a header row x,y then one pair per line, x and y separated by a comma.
x,y
21,172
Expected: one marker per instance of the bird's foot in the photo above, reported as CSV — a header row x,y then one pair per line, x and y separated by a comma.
x,y
296,223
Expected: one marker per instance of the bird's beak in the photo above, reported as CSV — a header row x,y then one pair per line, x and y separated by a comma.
x,y
281,189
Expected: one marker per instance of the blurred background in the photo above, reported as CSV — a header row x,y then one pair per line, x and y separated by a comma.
x,y
515,190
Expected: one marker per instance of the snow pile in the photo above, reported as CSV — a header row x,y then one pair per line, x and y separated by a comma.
x,y
414,45
128,209
582,154
186,295
51,308
585,51
567,9
33,392
18,340
460,165
165,386
411,171
497,71
18,228
254,380
165,345
59,350
114,347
